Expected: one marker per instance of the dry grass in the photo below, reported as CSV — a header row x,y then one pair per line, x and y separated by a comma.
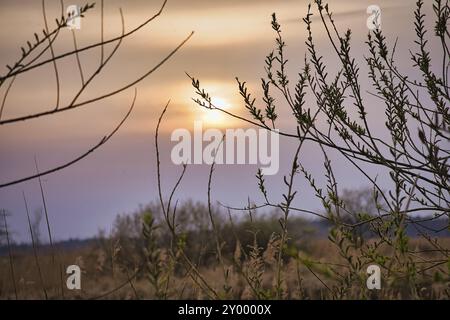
x,y
107,279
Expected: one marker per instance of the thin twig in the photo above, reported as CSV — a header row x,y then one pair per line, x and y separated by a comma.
x,y
33,241
49,232
55,67
77,159
11,262
5,96
104,96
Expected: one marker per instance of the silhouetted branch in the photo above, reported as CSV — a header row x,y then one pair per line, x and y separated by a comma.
x,y
77,159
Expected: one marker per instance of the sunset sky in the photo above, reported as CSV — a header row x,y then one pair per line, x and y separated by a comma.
x,y
231,39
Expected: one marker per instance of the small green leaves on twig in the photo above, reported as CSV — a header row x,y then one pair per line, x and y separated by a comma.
x,y
250,102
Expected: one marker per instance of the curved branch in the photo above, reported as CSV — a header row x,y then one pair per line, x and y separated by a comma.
x,y
74,106
95,45
79,158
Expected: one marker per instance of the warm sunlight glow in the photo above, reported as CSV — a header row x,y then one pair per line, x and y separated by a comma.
x,y
216,117
220,103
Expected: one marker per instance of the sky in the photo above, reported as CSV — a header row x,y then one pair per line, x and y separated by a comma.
x,y
231,40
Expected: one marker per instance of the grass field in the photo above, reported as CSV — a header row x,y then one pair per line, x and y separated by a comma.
x,y
115,267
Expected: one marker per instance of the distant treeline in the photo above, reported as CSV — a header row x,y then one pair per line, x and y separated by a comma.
x,y
247,226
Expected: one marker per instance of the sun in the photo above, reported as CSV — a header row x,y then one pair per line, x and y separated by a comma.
x,y
216,117
220,103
